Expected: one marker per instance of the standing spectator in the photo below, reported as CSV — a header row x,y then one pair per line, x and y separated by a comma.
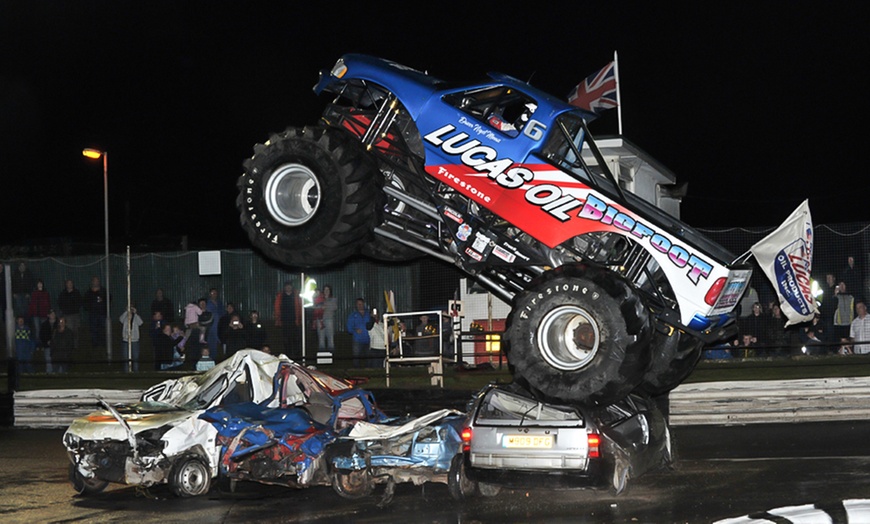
x,y
845,310
38,308
70,303
192,311
214,306
224,326
828,308
24,345
256,332
853,278
288,316
237,336
130,320
377,342
358,324
22,286
156,326
163,348
46,332
754,324
95,305
326,330
776,336
860,330
62,346
163,305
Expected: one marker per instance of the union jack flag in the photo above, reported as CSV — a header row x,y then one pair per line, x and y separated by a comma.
x,y
597,93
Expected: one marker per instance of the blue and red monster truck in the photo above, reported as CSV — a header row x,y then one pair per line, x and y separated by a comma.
x,y
610,294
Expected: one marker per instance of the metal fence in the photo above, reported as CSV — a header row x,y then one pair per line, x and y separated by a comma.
x,y
251,282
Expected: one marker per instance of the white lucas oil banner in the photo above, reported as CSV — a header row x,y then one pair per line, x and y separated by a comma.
x,y
786,257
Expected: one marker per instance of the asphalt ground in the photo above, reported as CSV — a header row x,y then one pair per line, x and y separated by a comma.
x,y
721,472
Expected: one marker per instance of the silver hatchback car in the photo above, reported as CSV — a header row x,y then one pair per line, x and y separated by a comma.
x,y
511,439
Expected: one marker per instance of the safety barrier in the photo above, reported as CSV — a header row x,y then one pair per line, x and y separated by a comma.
x,y
762,401
716,403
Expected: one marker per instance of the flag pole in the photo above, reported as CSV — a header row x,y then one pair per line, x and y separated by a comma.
x,y
618,98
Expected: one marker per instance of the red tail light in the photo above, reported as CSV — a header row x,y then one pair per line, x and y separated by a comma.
x,y
594,440
713,294
465,435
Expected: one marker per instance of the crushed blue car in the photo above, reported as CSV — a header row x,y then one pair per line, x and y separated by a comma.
x,y
285,445
418,450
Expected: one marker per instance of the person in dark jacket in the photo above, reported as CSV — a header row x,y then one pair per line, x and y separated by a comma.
x,y
256,331
237,336
46,333
95,305
70,303
62,346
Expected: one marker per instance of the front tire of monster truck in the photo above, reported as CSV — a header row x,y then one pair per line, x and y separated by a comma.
x,y
674,358
579,334
85,486
309,196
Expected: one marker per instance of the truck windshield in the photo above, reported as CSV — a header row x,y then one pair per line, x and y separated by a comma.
x,y
564,147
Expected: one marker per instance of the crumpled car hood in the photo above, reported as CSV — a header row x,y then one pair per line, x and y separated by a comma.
x,y
101,425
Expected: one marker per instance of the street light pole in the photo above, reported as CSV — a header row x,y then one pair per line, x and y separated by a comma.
x,y
94,153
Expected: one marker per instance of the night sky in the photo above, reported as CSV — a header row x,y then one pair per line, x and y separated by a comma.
x,y
757,106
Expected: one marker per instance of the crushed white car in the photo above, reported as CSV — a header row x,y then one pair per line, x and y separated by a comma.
x,y
162,439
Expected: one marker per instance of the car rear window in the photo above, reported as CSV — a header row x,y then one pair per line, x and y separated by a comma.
x,y
508,409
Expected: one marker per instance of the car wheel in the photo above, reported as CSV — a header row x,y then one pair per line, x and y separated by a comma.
x,y
309,196
579,334
674,358
352,484
84,485
458,484
190,477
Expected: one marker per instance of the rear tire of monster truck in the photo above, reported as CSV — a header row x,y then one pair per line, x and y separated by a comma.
x,y
674,358
579,334
309,196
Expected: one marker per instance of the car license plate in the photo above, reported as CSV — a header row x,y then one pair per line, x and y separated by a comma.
x,y
527,441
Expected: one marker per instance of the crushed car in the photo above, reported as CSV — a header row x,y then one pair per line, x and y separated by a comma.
x,y
416,450
285,445
512,439
162,439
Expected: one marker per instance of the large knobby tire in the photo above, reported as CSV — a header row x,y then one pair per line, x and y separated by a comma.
x,y
309,197
85,486
579,334
674,357
352,484
190,477
459,485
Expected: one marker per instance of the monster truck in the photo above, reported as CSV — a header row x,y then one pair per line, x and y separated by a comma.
x,y
609,293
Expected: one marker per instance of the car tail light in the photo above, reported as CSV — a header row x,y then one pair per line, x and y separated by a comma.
x,y
594,440
713,294
465,435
